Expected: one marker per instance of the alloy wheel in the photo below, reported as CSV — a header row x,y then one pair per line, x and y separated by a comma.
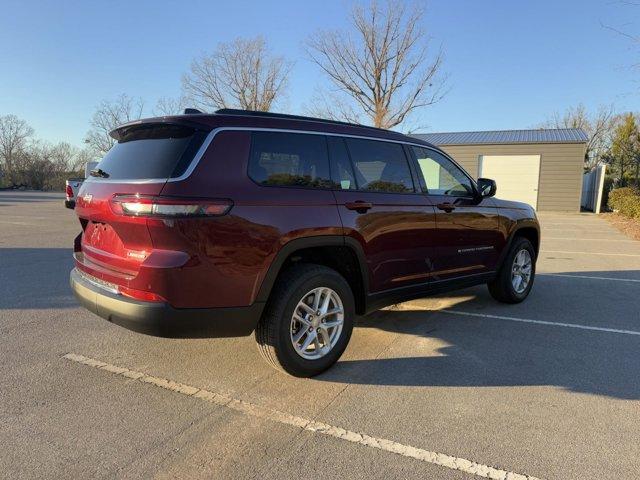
x,y
316,323
521,271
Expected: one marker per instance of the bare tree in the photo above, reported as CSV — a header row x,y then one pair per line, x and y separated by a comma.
x,y
241,74
14,138
108,116
79,159
45,166
69,158
169,106
61,156
333,106
35,168
383,69
598,127
29,162
627,30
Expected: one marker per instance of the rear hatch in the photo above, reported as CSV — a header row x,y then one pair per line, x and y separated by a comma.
x,y
115,239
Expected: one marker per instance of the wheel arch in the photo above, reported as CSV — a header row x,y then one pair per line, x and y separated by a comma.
x,y
528,229
530,233
342,254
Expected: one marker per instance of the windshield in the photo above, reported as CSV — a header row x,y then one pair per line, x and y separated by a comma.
x,y
151,151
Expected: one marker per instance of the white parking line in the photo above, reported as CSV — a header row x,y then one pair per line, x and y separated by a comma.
x,y
587,231
441,459
584,225
589,239
588,277
540,322
594,253
574,229
568,231
18,223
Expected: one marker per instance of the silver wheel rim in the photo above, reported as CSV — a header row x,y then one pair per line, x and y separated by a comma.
x,y
316,323
521,271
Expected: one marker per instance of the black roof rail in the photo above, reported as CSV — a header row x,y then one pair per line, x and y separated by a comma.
x,y
254,113
190,111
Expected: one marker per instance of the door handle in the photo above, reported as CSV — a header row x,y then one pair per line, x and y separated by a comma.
x,y
447,207
359,206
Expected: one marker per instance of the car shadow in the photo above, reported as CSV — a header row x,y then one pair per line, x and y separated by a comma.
x,y
435,349
432,349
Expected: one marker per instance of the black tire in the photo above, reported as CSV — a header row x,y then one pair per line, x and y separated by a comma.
x,y
501,288
274,328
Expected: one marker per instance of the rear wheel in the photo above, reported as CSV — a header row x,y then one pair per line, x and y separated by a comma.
x,y
308,320
515,278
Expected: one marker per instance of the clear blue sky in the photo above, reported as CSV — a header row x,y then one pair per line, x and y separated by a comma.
x,y
511,64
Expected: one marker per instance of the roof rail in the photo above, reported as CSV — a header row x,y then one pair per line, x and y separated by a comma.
x,y
254,113
189,111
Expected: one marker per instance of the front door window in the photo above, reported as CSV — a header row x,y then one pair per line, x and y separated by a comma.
x,y
441,176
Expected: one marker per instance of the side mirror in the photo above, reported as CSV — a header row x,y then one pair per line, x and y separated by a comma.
x,y
486,187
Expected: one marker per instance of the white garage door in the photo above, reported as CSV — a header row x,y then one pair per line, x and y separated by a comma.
x,y
517,176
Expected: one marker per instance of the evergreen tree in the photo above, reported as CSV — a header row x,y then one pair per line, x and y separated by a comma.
x,y
625,149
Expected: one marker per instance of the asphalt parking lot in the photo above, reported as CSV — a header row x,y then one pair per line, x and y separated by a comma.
x,y
435,388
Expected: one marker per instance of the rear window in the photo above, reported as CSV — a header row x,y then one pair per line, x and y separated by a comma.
x,y
152,151
290,160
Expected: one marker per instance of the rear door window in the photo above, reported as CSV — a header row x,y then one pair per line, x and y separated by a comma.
x,y
380,166
289,160
152,151
341,169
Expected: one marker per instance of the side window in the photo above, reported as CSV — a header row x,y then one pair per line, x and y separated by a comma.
x,y
341,169
441,176
289,159
380,166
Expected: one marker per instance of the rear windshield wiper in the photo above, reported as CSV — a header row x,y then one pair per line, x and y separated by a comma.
x,y
98,172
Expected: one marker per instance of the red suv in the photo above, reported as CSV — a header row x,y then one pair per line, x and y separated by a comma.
x,y
228,223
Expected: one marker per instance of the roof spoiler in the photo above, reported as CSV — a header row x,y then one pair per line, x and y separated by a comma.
x,y
118,132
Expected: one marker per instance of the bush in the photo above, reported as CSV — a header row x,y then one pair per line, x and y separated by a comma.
x,y
626,201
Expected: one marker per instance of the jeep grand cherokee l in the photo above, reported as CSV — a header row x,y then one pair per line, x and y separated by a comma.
x,y
237,222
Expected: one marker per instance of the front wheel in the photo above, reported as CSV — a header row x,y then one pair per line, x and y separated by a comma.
x,y
515,278
308,320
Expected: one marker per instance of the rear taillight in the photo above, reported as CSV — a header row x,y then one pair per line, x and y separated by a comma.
x,y
69,191
168,207
140,294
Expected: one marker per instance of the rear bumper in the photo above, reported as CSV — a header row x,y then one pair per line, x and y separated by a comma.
x,y
70,203
161,319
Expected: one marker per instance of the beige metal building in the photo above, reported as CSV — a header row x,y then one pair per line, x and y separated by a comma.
x,y
543,168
